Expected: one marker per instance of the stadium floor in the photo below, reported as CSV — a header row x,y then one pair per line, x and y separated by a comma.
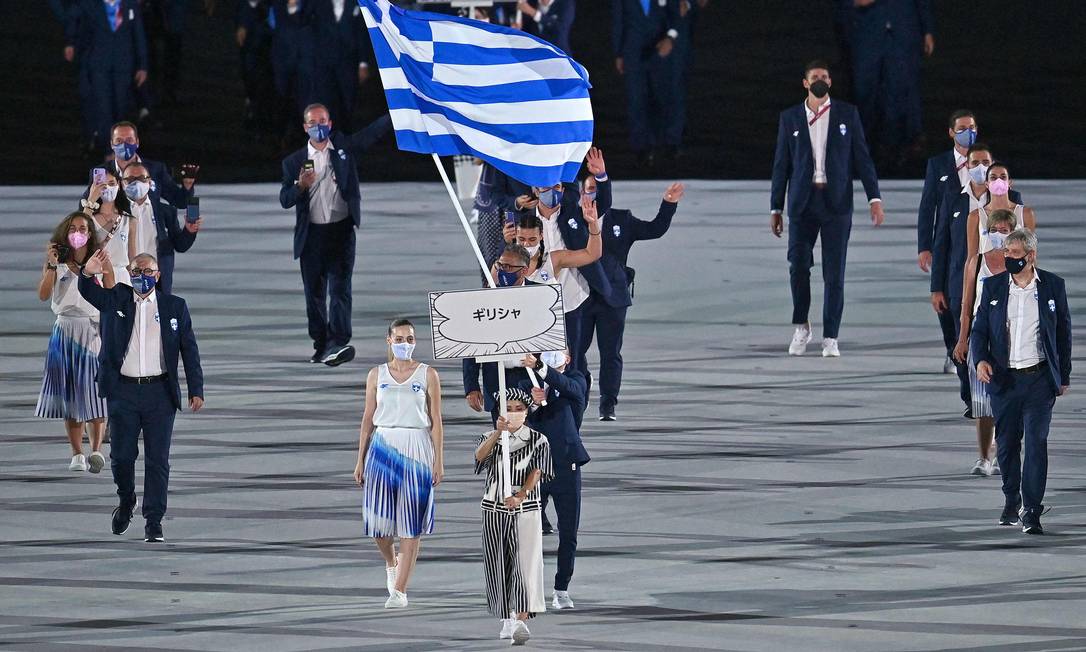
x,y
745,500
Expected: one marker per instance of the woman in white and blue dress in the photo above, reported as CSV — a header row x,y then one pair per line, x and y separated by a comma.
x,y
986,229
115,228
511,509
400,457
69,390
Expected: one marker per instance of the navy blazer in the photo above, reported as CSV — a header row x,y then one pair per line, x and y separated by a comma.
x,y
620,230
172,237
951,241
117,308
555,25
87,28
990,341
162,183
574,232
345,41
940,179
846,157
560,420
471,368
635,34
908,20
344,149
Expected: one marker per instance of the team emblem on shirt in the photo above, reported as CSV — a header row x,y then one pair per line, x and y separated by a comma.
x,y
342,155
416,387
1052,305
173,323
843,128
544,275
618,230
572,223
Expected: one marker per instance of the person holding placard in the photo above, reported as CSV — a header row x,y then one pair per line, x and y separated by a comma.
x,y
400,457
516,460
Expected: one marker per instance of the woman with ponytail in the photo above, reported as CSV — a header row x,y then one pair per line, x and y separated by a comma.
x,y
400,457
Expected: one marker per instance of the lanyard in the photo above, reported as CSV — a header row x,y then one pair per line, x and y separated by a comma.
x,y
823,110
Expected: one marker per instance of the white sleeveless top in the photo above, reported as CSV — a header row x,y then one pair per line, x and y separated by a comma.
x,y
117,248
66,299
401,405
573,297
985,247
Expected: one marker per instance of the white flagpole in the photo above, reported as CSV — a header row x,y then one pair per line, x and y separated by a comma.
x,y
463,221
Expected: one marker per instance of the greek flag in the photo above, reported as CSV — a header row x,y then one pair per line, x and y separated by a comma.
x,y
459,86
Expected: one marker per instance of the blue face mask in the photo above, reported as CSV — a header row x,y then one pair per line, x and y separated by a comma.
x,y
550,197
125,151
319,133
507,279
591,195
143,283
966,137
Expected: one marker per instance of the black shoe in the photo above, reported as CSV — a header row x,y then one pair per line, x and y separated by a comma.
x,y
1031,522
122,517
318,355
607,413
152,533
547,529
1010,514
337,355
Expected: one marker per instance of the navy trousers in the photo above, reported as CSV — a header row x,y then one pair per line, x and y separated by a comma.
x,y
1023,411
608,324
111,96
566,494
803,233
948,324
132,409
652,97
327,265
886,84
336,86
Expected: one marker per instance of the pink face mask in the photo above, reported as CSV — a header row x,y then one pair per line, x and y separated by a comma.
x,y
78,239
998,187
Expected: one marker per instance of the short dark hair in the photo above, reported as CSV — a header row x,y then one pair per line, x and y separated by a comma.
x,y
959,114
815,64
314,106
978,147
124,123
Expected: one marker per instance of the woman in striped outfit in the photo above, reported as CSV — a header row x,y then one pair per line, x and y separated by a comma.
x,y
69,390
400,457
512,529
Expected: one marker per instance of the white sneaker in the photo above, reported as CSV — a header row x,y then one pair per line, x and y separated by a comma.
x,y
97,461
981,468
948,366
799,340
507,628
993,467
520,632
396,601
562,600
829,348
79,463
390,580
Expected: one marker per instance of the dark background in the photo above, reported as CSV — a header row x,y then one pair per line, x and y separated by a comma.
x,y
1020,65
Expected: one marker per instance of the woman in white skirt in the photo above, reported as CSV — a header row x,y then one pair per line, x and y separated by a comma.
x,y
400,457
114,226
512,526
69,390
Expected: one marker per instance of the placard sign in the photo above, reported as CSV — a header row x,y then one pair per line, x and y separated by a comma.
x,y
497,321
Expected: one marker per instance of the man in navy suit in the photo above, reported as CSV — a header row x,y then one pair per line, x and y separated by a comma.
x,y
1021,342
158,216
112,52
565,392
606,316
644,37
550,20
253,34
820,149
341,52
292,56
320,182
886,39
125,143
144,333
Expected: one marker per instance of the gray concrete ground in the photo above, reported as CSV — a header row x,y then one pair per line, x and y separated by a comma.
x,y
745,500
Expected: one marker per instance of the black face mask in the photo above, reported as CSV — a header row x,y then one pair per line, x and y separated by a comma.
x,y
1014,265
820,88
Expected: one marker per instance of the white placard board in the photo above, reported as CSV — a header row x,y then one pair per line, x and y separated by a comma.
x,y
497,321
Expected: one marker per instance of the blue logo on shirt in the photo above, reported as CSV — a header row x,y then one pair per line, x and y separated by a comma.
x,y
416,387
383,386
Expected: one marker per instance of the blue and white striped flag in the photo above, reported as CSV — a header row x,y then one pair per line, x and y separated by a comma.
x,y
459,86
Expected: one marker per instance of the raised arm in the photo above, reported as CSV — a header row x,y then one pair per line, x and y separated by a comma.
x,y
642,230
182,237
366,429
566,258
368,136
133,232
437,429
97,296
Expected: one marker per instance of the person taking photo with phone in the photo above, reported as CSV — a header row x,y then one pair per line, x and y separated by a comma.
x,y
157,228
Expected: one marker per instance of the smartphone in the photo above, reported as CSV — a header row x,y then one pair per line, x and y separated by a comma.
x,y
308,165
99,175
192,212
510,217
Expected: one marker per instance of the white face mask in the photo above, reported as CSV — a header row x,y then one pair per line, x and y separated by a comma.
x,y
996,239
553,358
137,190
532,251
403,350
978,174
516,419
109,193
